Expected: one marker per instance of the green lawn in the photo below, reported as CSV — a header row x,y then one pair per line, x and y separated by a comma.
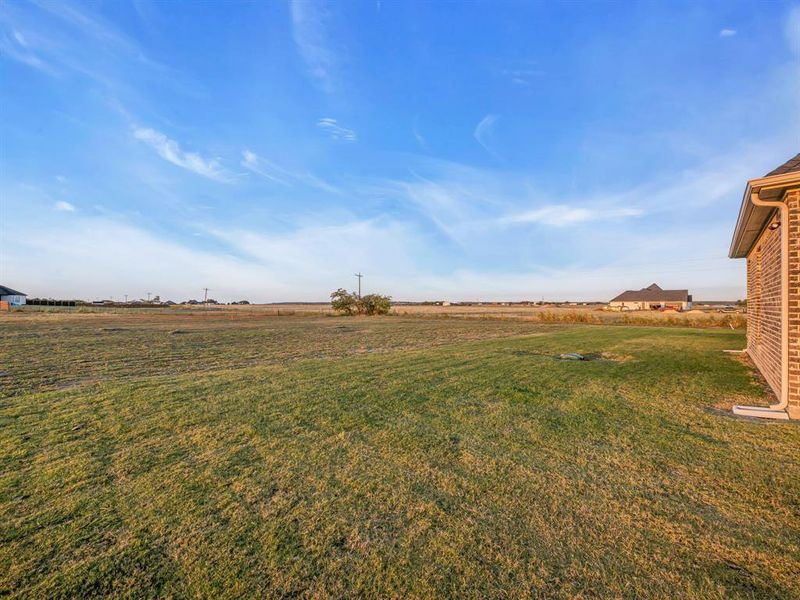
x,y
389,457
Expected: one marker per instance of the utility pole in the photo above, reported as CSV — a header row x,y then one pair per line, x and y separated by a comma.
x,y
359,275
148,296
205,296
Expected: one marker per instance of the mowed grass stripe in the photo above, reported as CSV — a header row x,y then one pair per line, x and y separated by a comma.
x,y
103,346
471,469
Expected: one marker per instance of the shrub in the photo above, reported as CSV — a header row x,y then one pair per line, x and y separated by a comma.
x,y
344,301
375,304
350,304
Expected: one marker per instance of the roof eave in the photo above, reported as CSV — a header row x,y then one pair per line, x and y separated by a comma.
x,y
6,291
745,210
777,185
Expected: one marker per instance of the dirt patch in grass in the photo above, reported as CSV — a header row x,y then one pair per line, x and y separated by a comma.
x,y
575,356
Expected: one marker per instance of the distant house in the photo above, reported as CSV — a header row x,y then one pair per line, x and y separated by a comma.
x,y
13,297
652,297
766,235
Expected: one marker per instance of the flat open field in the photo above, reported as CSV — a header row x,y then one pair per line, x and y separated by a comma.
x,y
578,314
237,454
542,314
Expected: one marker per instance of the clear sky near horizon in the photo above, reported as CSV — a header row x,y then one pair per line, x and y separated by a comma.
x,y
465,150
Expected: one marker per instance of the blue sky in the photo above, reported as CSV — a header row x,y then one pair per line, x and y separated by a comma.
x,y
479,150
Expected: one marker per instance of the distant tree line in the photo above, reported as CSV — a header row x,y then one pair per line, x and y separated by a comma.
x,y
350,303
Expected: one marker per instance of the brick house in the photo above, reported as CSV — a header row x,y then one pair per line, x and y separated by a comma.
x,y
767,235
652,297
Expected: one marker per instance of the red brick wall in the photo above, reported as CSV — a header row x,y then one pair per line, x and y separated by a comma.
x,y
764,305
793,201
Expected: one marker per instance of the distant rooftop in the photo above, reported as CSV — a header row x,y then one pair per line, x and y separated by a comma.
x,y
7,291
653,293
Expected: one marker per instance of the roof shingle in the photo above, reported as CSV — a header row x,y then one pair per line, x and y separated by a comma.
x,y
653,293
790,166
7,291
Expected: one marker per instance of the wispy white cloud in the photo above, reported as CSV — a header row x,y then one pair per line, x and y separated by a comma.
x,y
727,32
14,45
560,215
260,166
170,151
317,182
464,203
273,172
310,32
63,206
443,202
336,131
523,76
483,132
94,27
423,143
65,39
324,252
470,206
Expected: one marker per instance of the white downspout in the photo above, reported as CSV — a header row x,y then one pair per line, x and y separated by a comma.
x,y
777,411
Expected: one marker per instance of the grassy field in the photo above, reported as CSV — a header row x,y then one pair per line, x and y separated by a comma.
x,y
579,314
243,455
541,314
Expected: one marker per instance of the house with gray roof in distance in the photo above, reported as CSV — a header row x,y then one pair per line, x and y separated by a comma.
x,y
652,297
13,297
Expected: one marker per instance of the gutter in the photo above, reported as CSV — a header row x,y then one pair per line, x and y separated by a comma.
x,y
776,411
744,212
